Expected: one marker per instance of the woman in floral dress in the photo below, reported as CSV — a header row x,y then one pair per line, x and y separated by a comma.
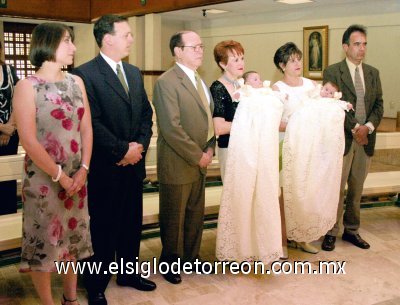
x,y
53,120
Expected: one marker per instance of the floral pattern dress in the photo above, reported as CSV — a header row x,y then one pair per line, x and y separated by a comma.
x,y
55,226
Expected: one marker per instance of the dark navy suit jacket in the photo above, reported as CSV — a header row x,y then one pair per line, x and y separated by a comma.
x,y
116,117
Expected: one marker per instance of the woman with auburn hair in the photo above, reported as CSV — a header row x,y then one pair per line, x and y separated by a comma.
x,y
54,124
249,226
229,56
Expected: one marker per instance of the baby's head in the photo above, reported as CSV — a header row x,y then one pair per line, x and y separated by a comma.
x,y
253,79
329,89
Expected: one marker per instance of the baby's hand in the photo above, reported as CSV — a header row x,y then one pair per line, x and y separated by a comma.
x,y
337,95
240,82
266,84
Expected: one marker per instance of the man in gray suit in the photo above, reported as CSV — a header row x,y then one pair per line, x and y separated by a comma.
x,y
185,148
361,86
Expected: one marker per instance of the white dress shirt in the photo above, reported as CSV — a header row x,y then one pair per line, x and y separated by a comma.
x,y
190,74
352,68
113,66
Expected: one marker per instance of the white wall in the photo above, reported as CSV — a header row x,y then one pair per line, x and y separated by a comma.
x,y
86,47
260,39
262,34
168,28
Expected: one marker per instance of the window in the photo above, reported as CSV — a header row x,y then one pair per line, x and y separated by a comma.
x,y
17,39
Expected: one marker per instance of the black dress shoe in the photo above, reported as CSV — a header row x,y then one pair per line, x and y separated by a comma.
x,y
172,277
329,243
137,282
97,299
356,240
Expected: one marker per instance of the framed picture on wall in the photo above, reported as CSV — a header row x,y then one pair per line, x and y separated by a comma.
x,y
315,51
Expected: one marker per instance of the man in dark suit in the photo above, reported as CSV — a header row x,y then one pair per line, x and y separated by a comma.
x,y
361,86
122,120
185,148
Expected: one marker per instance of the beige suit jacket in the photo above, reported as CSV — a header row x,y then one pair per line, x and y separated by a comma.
x,y
182,128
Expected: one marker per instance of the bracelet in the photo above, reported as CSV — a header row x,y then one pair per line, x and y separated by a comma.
x,y
85,167
56,179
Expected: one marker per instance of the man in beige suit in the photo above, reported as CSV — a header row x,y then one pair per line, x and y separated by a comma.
x,y
185,148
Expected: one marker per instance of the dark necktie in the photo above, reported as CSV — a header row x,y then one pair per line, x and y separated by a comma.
x,y
122,79
202,94
360,104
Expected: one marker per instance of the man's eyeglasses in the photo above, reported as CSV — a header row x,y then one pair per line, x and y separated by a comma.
x,y
195,48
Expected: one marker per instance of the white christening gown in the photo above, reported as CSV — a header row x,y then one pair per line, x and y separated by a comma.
x,y
312,166
249,223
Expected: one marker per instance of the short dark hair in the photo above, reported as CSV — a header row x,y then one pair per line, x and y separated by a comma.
x,y
350,30
176,41
333,84
105,25
46,38
285,52
247,74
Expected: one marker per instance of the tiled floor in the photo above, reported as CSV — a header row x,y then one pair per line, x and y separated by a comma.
x,y
372,276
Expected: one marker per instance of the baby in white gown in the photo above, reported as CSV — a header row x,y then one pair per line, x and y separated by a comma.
x,y
329,92
253,79
313,152
251,87
249,225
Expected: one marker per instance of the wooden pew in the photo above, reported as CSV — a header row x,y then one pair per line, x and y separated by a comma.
x,y
11,166
377,183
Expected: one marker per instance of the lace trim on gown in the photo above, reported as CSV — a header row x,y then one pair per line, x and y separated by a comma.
x,y
312,165
249,225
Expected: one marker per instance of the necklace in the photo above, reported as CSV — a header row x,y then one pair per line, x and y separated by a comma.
x,y
234,83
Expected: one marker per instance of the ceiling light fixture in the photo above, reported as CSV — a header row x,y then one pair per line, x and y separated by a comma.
x,y
294,1
212,11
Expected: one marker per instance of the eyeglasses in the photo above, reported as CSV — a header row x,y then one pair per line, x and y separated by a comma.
x,y
195,48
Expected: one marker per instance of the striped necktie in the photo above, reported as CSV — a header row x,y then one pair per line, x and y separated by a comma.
x,y
202,94
360,104
122,79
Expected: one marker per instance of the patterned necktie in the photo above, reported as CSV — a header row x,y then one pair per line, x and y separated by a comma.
x,y
122,79
360,104
202,94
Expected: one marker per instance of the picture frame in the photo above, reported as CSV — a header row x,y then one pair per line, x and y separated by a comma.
x,y
315,51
